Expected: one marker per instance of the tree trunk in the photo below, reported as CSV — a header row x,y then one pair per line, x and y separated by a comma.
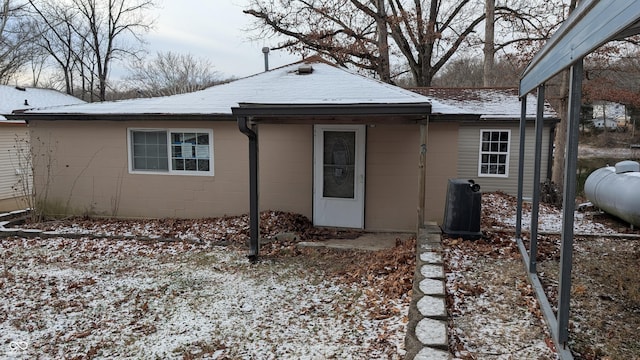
x,y
384,69
560,141
489,43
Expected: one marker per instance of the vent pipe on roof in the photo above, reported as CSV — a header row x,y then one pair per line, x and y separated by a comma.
x,y
265,51
26,103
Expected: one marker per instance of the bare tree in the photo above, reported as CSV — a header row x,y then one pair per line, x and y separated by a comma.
x,y
470,72
84,37
16,35
58,37
489,42
426,35
170,73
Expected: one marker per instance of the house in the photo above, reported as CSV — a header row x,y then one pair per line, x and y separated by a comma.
x,y
609,123
310,138
488,146
15,180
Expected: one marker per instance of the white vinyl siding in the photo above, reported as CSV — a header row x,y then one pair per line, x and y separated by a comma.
x,y
468,157
13,139
171,151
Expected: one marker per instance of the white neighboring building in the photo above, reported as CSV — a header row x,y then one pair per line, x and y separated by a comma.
x,y
14,136
610,124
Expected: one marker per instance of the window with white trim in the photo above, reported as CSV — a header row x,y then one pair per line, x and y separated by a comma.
x,y
171,151
494,153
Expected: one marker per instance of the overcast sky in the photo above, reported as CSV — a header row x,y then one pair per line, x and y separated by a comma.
x,y
212,30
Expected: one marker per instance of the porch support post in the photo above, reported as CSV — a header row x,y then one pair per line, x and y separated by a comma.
x,y
422,172
254,212
568,201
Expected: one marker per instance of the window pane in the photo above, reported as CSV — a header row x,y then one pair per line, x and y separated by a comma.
x,y
139,163
139,138
139,150
484,169
176,151
485,136
190,164
504,147
190,151
189,138
485,146
149,150
504,136
203,139
495,136
494,147
339,164
203,165
501,169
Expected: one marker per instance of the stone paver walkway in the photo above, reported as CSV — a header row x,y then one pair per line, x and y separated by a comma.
x,y
426,337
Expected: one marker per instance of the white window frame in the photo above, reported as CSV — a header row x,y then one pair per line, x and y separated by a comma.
x,y
507,153
170,170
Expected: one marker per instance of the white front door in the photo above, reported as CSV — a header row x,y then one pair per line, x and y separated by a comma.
x,y
338,180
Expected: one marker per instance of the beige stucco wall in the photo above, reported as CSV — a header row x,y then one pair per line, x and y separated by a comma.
x,y
392,177
89,173
286,168
442,160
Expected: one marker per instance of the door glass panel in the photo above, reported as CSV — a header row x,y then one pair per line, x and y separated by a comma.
x,y
339,164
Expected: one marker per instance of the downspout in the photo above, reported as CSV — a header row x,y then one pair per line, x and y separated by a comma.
x,y
254,213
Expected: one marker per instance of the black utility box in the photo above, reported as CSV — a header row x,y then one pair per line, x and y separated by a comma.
x,y
462,209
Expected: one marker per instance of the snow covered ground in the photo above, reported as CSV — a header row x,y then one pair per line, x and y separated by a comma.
x,y
493,311
110,295
102,298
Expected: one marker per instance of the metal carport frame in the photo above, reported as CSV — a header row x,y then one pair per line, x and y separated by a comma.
x,y
592,24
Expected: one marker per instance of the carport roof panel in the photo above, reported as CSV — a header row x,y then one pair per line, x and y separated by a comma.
x,y
592,24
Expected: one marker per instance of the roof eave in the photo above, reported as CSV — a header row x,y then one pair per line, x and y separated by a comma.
x,y
119,117
365,112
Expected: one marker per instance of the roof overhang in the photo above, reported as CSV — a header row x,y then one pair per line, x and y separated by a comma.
x,y
13,123
546,120
338,113
119,117
592,24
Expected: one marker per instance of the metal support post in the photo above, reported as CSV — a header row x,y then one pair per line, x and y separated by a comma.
x,y
568,201
535,205
523,130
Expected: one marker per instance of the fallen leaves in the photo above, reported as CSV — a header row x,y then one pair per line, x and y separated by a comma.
x,y
100,297
487,277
